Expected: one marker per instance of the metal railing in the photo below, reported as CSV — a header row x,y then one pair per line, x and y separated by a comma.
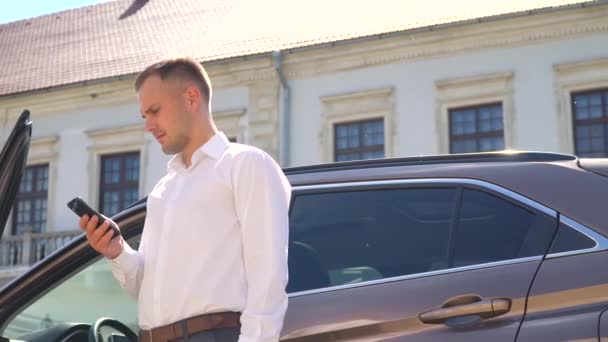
x,y
28,248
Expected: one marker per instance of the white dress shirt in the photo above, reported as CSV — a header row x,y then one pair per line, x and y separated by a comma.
x,y
215,239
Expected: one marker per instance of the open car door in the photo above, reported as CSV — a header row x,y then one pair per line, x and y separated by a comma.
x,y
12,163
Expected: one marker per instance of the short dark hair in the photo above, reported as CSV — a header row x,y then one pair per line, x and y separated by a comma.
x,y
182,68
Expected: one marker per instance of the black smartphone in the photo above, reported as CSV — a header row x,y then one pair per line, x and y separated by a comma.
x,y
80,207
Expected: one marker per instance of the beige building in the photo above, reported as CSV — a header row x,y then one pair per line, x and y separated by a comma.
x,y
307,81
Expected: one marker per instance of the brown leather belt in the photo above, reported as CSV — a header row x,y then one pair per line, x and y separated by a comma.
x,y
191,326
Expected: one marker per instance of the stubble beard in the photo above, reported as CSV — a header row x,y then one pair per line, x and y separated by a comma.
x,y
176,145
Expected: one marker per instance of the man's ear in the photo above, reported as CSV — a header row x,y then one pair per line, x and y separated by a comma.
x,y
193,98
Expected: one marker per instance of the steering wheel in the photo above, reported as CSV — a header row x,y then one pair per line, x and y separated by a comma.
x,y
95,330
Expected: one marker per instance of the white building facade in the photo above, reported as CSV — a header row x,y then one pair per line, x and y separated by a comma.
x,y
535,81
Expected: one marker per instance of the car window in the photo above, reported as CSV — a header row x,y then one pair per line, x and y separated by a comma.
x,y
86,296
568,239
346,237
492,229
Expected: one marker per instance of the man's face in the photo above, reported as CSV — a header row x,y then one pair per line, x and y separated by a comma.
x,y
162,107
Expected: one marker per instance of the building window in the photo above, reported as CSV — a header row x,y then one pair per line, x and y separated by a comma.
x,y
359,140
476,129
119,182
30,209
590,112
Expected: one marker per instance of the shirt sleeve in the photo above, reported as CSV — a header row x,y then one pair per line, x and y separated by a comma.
x,y
262,195
128,269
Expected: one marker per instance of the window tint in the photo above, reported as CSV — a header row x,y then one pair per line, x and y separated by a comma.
x,y
348,237
568,239
492,229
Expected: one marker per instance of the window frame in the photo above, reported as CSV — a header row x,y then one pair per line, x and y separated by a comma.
x,y
603,120
360,149
113,141
32,196
122,156
354,106
463,183
469,91
478,134
569,78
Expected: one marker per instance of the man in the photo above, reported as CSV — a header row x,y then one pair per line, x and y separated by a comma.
x,y
212,262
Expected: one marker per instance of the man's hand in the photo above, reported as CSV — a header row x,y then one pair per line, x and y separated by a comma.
x,y
100,238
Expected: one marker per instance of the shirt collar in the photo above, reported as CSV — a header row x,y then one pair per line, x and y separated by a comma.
x,y
213,148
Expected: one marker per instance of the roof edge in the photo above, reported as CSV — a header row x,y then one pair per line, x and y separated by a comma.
x,y
482,157
333,43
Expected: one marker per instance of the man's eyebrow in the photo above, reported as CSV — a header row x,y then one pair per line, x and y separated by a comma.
x,y
150,110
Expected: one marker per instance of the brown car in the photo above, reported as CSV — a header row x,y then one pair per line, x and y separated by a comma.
x,y
477,247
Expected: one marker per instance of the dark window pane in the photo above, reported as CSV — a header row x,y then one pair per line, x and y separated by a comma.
x,y
476,129
111,167
130,196
359,140
342,143
132,166
569,239
581,113
464,146
27,180
111,202
595,112
493,229
373,133
348,237
378,154
30,208
119,182
341,131
590,112
24,209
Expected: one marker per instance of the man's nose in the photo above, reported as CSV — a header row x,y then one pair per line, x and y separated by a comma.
x,y
149,125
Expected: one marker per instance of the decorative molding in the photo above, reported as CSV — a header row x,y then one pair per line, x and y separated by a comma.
x,y
263,116
451,40
470,91
62,100
230,122
240,72
110,141
42,150
574,77
364,105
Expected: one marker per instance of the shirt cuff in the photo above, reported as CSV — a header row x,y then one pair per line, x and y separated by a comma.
x,y
127,259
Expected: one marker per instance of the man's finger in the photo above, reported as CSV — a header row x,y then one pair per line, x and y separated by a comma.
x,y
105,239
92,225
83,221
100,230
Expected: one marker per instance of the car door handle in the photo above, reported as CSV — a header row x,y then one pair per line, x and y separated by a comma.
x,y
470,308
